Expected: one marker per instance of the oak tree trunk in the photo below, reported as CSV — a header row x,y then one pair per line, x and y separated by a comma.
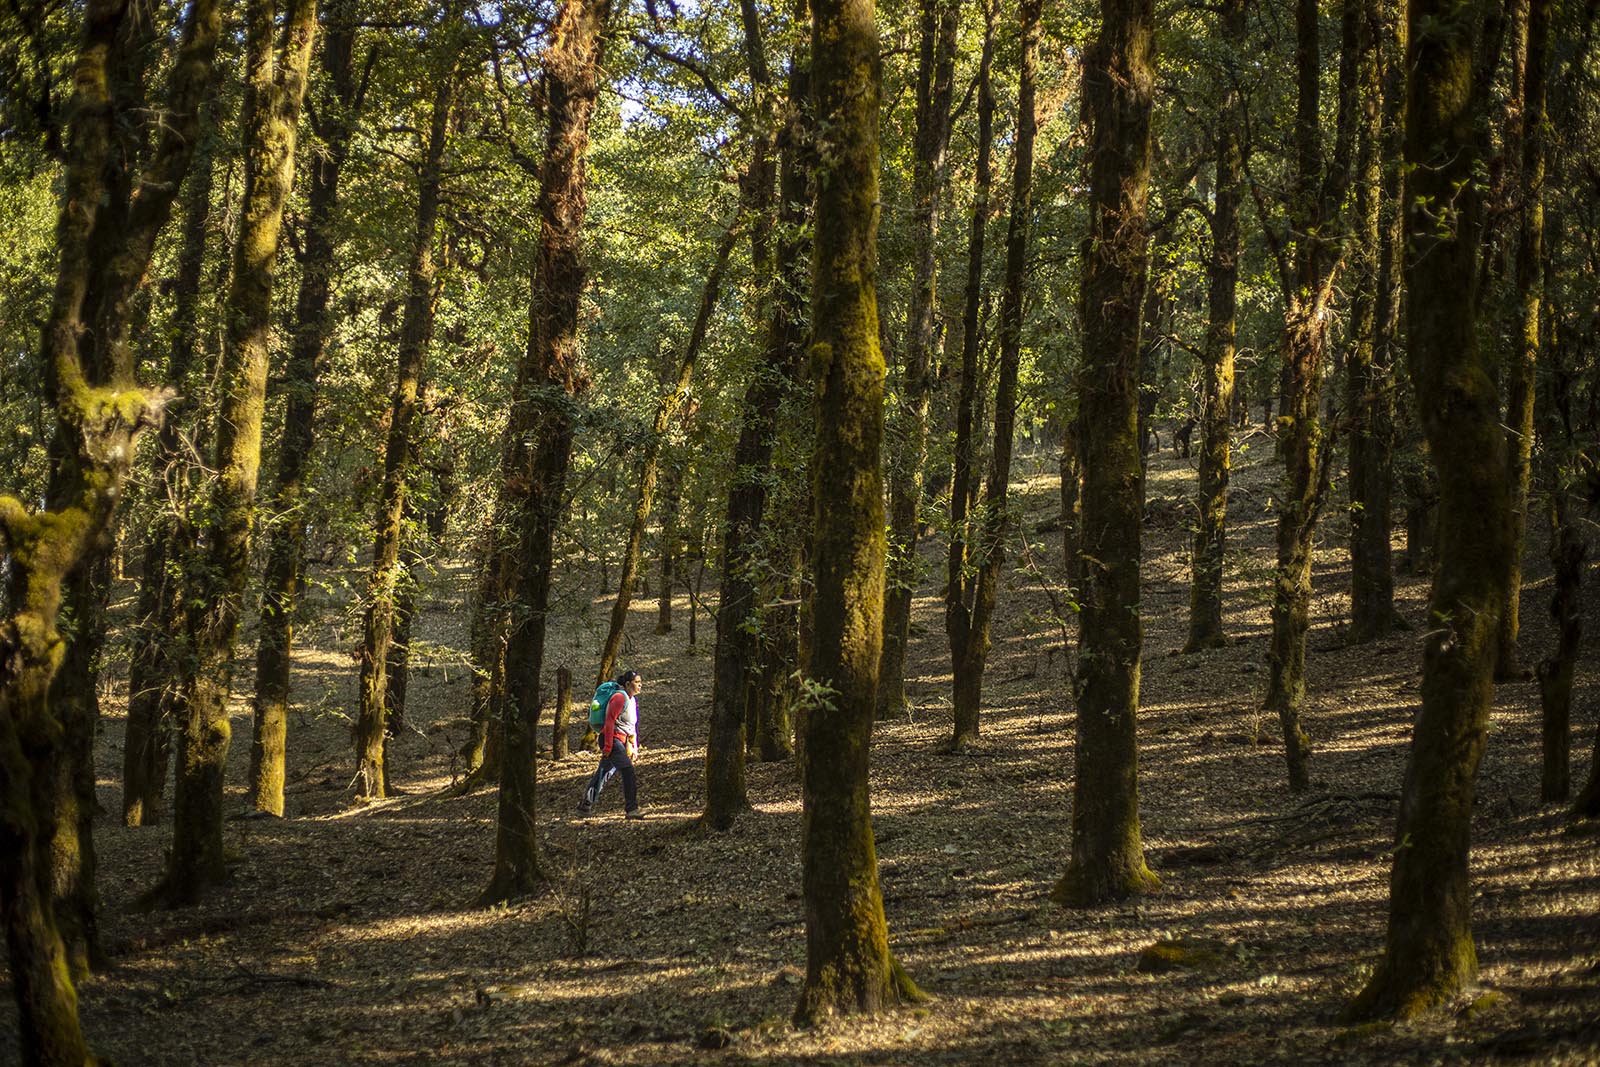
x,y
541,436
747,522
1118,83
849,967
965,654
274,91
940,20
1428,953
996,521
1216,394
416,332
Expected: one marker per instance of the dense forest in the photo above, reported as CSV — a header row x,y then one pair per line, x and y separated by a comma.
x,y
1092,499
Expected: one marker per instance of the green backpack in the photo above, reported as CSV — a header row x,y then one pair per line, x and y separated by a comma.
x,y
597,706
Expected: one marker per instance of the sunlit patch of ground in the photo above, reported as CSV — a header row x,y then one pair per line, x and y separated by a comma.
x,y
348,934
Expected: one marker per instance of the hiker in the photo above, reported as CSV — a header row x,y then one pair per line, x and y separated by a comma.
x,y
619,744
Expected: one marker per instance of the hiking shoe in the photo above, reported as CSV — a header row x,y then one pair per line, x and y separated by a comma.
x,y
635,814
585,808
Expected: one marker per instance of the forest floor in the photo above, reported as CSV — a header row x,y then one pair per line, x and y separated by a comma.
x,y
347,934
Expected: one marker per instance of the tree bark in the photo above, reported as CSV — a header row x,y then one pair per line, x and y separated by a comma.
x,y
151,692
286,537
416,332
274,91
961,584
1373,315
744,530
940,22
1216,405
1428,953
997,520
127,222
1313,263
849,967
541,438
1119,84
99,421
1533,48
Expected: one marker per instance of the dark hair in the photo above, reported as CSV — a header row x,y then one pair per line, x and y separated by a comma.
x,y
626,676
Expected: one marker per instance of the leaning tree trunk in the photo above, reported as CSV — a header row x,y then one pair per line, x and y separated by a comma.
x,y
416,330
960,586
996,522
940,22
734,659
849,967
1216,408
541,439
1119,84
1313,262
649,465
274,90
286,537
1428,953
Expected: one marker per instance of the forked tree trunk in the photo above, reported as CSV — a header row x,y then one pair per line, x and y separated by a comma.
x,y
666,407
541,436
1428,954
1119,85
1216,404
997,521
416,331
735,656
274,91
286,538
940,22
959,576
849,967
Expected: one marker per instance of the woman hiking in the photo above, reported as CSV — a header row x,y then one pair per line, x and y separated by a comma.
x,y
619,744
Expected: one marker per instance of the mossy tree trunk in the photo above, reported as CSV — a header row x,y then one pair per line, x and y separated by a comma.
x,y
649,464
1428,953
542,425
1216,392
849,968
960,575
996,521
99,420
416,332
274,91
151,689
1309,256
745,530
285,566
940,21
1530,56
428,513
1369,384
129,218
1119,84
